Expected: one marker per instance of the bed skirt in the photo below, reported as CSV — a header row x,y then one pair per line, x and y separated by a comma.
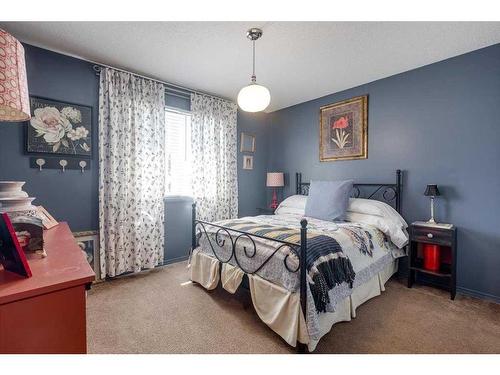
x,y
280,308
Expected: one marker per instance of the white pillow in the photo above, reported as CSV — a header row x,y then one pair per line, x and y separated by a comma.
x,y
374,207
295,205
395,231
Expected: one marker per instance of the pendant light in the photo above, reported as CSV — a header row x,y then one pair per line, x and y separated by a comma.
x,y
254,97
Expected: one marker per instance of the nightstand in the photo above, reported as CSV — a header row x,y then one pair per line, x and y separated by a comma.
x,y
265,210
446,238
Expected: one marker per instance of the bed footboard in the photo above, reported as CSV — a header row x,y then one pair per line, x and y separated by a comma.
x,y
223,234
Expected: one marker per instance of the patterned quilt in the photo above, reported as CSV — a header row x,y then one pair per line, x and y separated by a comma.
x,y
327,266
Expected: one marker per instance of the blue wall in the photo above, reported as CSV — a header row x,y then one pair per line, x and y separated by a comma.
x,y
440,124
252,183
71,196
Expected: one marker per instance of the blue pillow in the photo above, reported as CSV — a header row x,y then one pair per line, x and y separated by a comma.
x,y
328,200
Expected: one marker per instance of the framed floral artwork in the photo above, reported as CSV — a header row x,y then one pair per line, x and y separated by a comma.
x,y
344,130
59,128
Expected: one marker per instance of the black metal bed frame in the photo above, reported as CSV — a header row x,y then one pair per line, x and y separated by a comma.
x,y
389,193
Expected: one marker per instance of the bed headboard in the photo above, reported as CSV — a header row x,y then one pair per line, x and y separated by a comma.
x,y
387,193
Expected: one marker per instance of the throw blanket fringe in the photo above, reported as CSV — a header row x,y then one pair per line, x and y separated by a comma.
x,y
330,273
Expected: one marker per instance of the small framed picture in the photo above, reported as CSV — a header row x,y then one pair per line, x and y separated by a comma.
x,y
89,243
247,143
247,162
48,220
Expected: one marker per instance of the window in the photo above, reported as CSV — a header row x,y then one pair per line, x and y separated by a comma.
x,y
178,152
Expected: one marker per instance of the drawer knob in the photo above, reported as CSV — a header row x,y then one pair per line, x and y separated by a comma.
x,y
430,235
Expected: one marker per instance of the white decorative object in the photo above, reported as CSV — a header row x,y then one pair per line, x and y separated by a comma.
x,y
14,200
12,189
254,97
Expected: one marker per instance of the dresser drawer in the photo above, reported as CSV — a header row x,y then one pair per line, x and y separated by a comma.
x,y
432,235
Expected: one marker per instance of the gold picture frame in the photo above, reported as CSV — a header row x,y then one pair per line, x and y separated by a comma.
x,y
343,130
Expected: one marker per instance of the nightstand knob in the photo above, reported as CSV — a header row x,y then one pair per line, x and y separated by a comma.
x,y
430,235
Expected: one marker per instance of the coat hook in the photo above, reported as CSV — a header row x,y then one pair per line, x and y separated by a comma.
x,y
40,163
82,165
63,163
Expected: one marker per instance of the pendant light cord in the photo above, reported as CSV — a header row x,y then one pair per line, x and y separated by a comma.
x,y
254,79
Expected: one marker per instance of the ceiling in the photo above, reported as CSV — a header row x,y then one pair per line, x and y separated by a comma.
x,y
297,61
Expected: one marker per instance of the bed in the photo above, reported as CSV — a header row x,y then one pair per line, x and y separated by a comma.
x,y
294,294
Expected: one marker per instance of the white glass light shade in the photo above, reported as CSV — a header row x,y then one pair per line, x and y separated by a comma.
x,y
254,98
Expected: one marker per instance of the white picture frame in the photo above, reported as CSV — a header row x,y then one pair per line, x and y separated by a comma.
x,y
247,142
248,162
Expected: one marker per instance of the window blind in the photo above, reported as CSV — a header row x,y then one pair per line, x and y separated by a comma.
x,y
178,152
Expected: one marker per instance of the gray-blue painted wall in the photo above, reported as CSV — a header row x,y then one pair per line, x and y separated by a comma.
x,y
252,183
440,124
71,196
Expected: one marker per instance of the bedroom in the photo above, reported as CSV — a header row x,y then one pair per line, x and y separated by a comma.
x,y
283,187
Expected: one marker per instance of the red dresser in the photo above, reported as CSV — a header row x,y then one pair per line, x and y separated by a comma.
x,y
47,312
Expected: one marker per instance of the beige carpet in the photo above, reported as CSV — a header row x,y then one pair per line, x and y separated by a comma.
x,y
153,313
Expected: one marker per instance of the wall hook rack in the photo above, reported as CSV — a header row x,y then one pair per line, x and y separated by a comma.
x,y
63,164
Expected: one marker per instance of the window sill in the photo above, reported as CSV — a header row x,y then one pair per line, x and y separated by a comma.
x,y
178,198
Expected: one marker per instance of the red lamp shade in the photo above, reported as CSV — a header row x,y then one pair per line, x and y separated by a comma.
x,y
14,99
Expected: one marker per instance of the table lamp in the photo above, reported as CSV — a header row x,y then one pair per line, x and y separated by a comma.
x,y
275,180
432,191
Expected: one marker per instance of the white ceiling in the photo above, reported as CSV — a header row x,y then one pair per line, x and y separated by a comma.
x,y
297,61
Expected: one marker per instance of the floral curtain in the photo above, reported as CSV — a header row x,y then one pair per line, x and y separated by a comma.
x,y
214,155
132,173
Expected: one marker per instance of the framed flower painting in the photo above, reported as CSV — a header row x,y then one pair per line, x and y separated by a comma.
x,y
344,130
59,128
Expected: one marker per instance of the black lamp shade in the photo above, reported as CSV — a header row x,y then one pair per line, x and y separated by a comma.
x,y
432,191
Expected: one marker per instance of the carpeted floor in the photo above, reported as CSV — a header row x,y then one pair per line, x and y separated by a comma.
x,y
154,313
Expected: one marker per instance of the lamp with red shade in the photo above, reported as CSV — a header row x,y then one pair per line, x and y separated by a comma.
x,y
275,180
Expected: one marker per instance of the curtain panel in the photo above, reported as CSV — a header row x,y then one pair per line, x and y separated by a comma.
x,y
214,157
132,172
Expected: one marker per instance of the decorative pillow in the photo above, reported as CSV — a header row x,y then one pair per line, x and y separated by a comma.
x,y
294,205
328,200
374,207
395,231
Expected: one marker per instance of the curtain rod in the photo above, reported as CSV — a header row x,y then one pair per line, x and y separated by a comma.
x,y
97,68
